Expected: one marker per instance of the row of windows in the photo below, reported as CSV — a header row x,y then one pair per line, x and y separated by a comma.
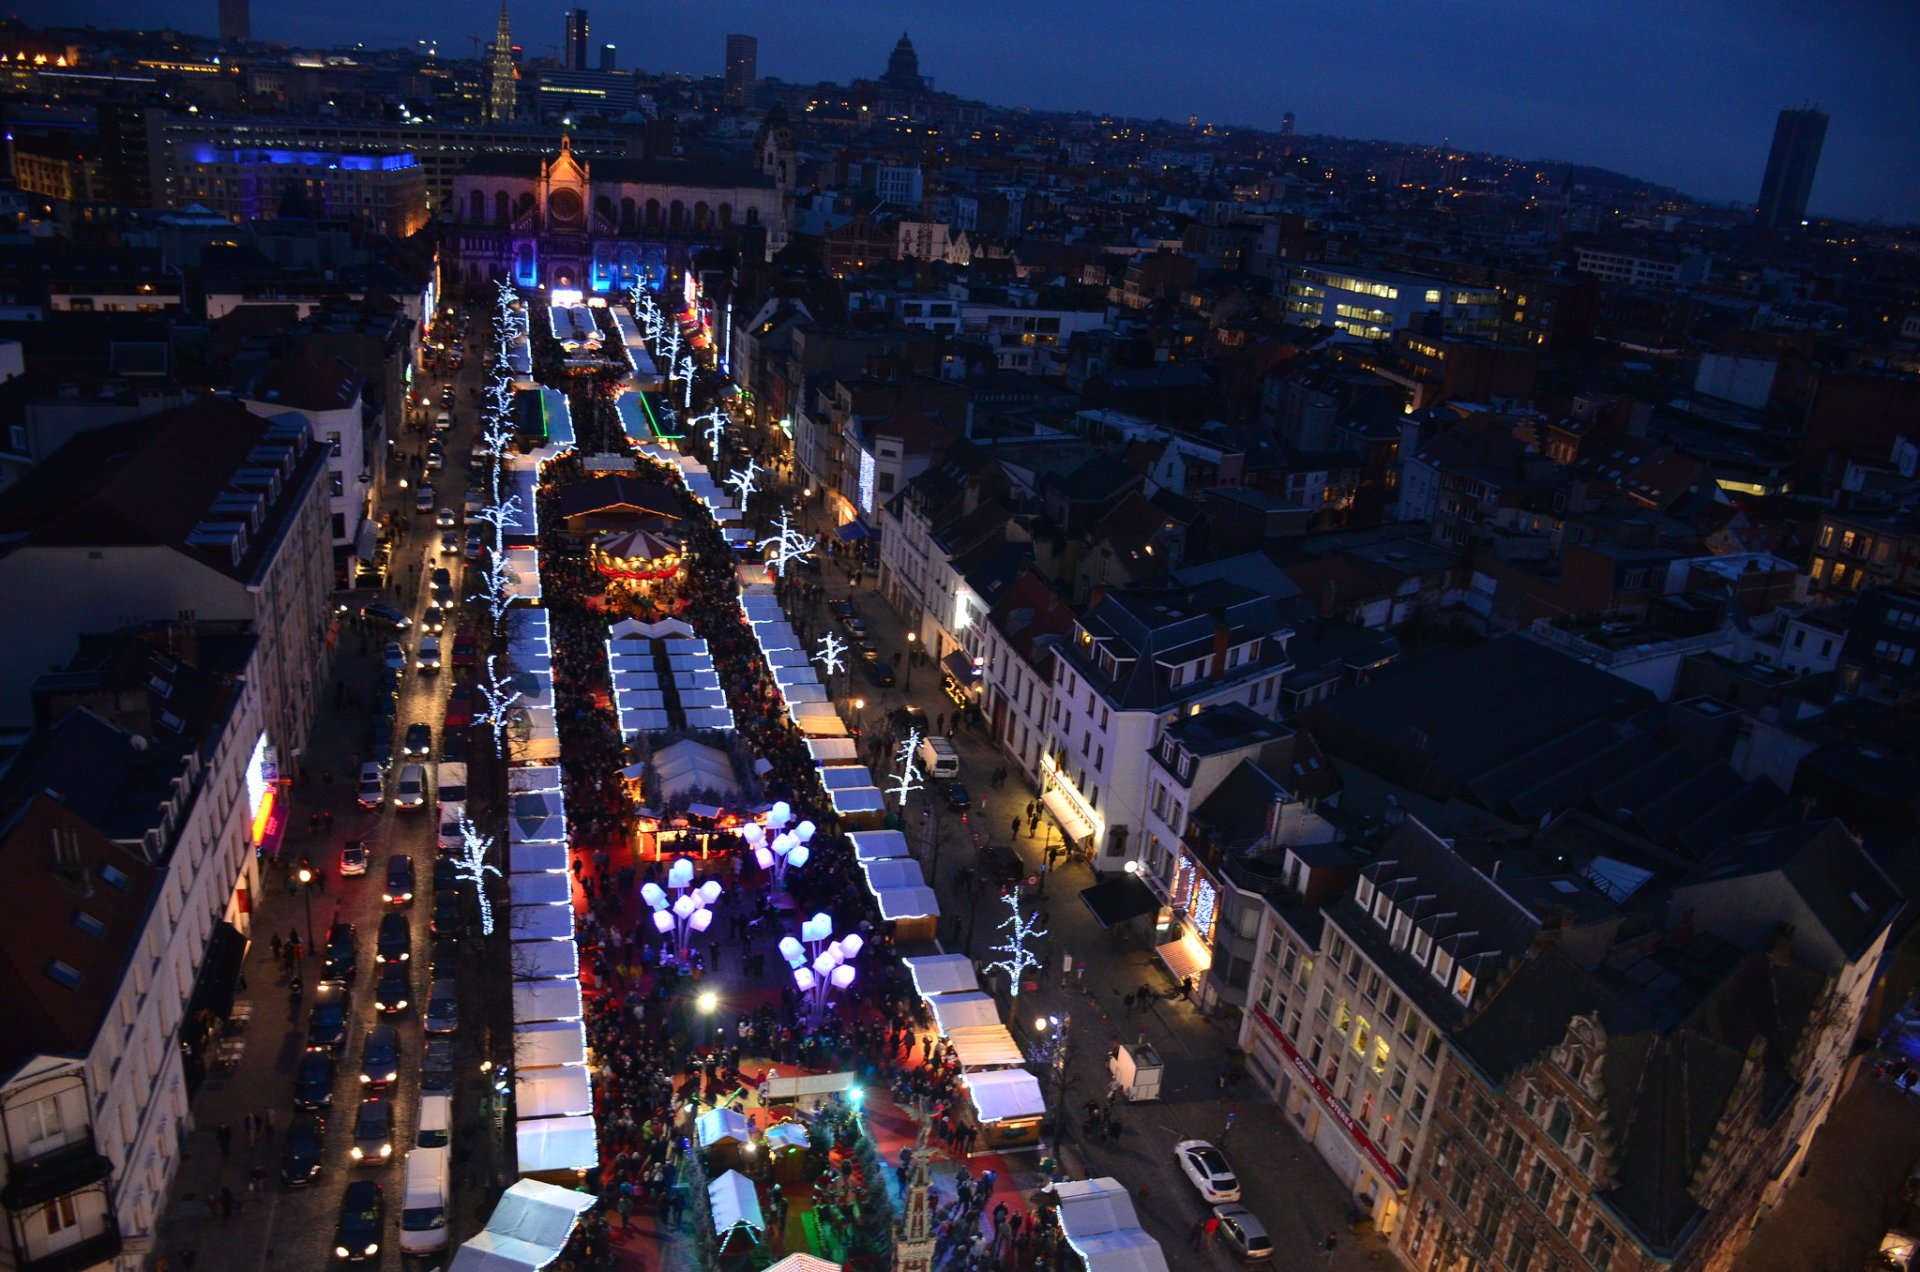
x,y
1404,936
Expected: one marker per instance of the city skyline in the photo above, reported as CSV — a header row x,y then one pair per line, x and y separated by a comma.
x,y
1679,97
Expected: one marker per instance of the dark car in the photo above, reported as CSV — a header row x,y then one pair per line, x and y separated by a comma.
x,y
419,738
395,990
327,1022
443,1007
313,1080
855,626
306,1142
957,797
436,1067
879,673
342,961
446,874
381,614
395,942
447,917
909,717
459,707
444,958
387,683
1001,866
385,708
383,749
380,1058
372,1133
453,748
866,649
841,609
463,654
353,857
399,889
363,1216
441,577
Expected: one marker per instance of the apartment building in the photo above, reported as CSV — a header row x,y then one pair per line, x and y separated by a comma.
x,y
1856,551
1365,304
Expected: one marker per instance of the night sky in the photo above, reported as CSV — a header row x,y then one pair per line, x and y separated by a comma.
x,y
1682,92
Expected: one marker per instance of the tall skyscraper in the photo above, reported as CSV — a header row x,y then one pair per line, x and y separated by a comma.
x,y
1795,157
743,70
236,21
575,49
609,57
503,89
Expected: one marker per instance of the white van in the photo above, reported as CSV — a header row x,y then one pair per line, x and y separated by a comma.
x,y
423,1207
450,815
452,783
938,758
436,1120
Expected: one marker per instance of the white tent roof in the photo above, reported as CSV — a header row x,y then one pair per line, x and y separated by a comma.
x,y
687,767
556,1143
541,923
545,960
533,777
547,1044
826,750
873,845
857,799
907,903
804,1262
840,777
734,1203
544,1000
539,1093
633,628
1099,1221
964,1010
542,889
985,1047
889,873
718,1124
547,858
537,830
527,1231
821,722
1003,1093
941,973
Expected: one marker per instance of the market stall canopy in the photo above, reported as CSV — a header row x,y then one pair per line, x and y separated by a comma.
x,y
533,777
546,1000
1000,1094
659,629
857,799
547,1044
536,830
735,1204
690,768
528,1230
716,1125
940,973
821,722
541,922
541,1093
907,903
787,1135
888,873
831,750
804,1263
874,845
841,777
542,889
1098,1218
542,858
556,1143
985,1047
965,1010
545,960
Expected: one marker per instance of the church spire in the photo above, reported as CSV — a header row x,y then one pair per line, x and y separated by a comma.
x,y
502,91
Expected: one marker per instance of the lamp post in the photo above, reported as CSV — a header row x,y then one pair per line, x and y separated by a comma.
x,y
859,705
306,894
1053,1052
913,640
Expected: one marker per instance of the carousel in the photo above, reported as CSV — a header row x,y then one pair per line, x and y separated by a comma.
x,y
642,569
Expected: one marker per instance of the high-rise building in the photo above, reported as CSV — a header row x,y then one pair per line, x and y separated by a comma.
x,y
1795,157
575,49
609,57
743,70
502,75
236,21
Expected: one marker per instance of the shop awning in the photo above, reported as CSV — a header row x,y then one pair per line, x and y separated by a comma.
x,y
959,665
963,1011
366,541
1119,899
1073,824
1000,1094
853,532
942,973
213,991
1185,956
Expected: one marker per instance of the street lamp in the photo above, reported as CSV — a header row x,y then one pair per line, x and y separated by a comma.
x,y
707,1002
859,705
306,894
913,639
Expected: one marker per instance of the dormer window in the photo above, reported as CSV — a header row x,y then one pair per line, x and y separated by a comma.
x,y
1442,966
1363,892
1422,946
1463,985
1382,909
1402,925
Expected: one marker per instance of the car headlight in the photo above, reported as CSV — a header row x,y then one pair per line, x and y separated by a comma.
x,y
373,1249
341,1252
387,897
356,1152
386,1150
392,1075
401,1005
366,1077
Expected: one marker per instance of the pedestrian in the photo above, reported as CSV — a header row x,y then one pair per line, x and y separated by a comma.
x,y
251,1125
1196,1234
227,1204
1213,1229
1013,828
1332,1244
223,1135
254,1175
275,946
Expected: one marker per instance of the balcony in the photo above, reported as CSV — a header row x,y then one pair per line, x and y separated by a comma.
x,y
92,1252
66,1169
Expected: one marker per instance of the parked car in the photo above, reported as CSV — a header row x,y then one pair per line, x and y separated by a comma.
x,y
342,960
447,917
855,625
382,745
446,874
443,1007
410,793
380,1058
879,673
393,656
441,576
353,858
867,650
394,944
436,458
841,609
1243,1232
423,501
1207,1170
306,1143
429,656
372,1132
399,889
459,707
957,798
373,785
395,991
442,595
327,1024
443,958
419,738
436,1067
463,654
453,749
313,1079
475,545
381,614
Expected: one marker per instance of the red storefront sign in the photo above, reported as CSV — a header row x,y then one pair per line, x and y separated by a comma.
x,y
1329,1102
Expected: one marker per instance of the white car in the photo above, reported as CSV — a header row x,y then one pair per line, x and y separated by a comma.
x,y
423,501
411,794
429,653
1206,1168
373,785
444,518
449,542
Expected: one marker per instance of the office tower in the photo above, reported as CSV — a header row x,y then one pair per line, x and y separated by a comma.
x,y
236,23
502,85
1286,133
743,70
574,52
609,57
1795,157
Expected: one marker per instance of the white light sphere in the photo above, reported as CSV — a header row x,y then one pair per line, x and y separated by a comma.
x,y
663,921
803,977
701,921
851,944
764,857
680,874
779,815
798,857
804,831
792,951
754,833
652,895
710,891
686,905
842,976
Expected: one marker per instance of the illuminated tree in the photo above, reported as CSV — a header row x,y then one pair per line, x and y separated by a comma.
x,y
745,481
499,697
1020,928
471,866
787,545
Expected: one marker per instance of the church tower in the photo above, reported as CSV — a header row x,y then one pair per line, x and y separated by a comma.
x,y
502,86
914,1242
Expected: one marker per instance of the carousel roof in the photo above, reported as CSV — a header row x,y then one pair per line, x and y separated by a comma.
x,y
687,767
637,545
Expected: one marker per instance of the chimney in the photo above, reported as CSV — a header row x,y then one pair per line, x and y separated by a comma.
x,y
1222,637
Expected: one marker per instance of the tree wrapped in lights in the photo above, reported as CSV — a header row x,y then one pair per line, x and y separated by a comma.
x,y
828,655
1020,928
498,515
496,690
787,545
686,381
471,866
745,481
688,912
715,422
497,587
782,850
820,967
907,780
